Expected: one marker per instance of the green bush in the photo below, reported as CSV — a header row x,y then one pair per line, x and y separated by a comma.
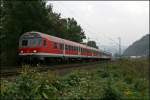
x,y
29,85
111,94
121,82
140,84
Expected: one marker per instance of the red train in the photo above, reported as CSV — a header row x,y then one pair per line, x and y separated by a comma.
x,y
43,47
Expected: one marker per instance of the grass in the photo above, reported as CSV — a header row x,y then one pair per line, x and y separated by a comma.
x,y
121,80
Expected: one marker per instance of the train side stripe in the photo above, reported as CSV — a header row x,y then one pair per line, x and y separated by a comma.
x,y
59,55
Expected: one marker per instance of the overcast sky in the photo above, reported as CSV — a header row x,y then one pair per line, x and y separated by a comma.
x,y
105,21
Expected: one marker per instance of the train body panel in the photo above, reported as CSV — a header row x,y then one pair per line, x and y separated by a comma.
x,y
42,45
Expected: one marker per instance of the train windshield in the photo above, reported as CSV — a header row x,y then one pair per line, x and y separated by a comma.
x,y
24,42
31,42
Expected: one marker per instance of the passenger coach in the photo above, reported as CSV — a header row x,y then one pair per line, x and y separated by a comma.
x,y
43,47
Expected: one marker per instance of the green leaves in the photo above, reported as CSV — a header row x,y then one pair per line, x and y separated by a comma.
x,y
92,44
19,17
97,83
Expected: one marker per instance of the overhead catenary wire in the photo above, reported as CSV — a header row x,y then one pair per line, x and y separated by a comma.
x,y
89,28
83,20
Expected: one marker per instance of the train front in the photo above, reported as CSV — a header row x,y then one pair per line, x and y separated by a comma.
x,y
30,45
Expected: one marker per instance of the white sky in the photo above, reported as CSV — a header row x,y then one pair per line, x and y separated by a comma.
x,y
106,20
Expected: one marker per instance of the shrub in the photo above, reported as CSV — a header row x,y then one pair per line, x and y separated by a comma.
x,y
140,84
30,85
119,82
111,94
128,79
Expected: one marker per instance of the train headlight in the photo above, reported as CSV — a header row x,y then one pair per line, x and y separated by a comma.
x,y
21,51
34,51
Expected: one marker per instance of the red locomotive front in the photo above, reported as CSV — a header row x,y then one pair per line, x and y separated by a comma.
x,y
31,44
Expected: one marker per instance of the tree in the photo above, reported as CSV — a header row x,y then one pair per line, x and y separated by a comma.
x,y
68,28
75,32
18,17
92,44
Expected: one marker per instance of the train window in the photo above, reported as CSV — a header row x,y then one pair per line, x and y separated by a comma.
x,y
66,47
24,42
58,46
75,48
44,42
55,45
33,42
81,49
69,47
61,46
39,41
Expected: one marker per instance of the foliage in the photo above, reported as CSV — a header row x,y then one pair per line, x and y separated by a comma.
x,y
125,79
92,44
22,16
111,94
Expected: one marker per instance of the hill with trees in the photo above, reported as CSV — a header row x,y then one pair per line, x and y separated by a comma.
x,y
139,47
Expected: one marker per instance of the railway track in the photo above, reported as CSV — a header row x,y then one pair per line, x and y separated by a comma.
x,y
44,68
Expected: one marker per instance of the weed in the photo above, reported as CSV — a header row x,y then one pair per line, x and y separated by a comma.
x,y
125,79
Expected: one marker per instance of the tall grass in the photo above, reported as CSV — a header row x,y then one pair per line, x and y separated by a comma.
x,y
125,79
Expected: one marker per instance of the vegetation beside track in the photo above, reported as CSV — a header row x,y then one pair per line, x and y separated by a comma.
x,y
124,79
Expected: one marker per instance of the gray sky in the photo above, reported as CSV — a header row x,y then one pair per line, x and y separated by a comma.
x,y
106,20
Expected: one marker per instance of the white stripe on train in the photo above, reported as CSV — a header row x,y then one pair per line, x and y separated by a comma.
x,y
60,55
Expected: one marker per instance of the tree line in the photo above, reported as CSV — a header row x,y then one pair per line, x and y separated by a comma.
x,y
18,17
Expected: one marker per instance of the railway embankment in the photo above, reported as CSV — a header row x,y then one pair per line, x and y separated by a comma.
x,y
123,79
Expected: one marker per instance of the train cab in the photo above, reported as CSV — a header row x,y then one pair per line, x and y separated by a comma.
x,y
30,43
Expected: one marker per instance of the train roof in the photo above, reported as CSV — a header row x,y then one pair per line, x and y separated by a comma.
x,y
57,39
